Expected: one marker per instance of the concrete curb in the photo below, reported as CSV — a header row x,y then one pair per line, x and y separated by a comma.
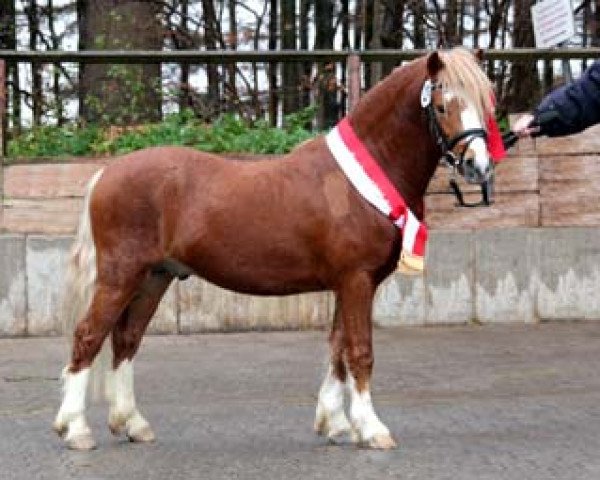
x,y
13,293
488,276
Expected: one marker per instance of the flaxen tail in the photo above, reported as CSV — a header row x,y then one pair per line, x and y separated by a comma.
x,y
80,286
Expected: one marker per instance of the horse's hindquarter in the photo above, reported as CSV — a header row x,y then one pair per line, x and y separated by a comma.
x,y
265,227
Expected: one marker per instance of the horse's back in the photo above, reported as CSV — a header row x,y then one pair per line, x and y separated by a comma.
x,y
150,164
155,174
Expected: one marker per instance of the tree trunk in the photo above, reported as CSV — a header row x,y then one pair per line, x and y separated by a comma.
x,y
548,75
523,86
358,24
596,25
497,29
375,43
305,6
451,23
119,94
273,97
392,30
345,13
55,42
211,38
418,22
290,80
185,97
37,98
461,23
498,15
367,18
8,41
324,33
476,22
233,33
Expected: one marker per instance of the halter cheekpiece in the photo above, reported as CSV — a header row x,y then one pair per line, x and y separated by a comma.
x,y
447,145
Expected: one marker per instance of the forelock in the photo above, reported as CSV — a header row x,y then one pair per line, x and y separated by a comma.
x,y
463,76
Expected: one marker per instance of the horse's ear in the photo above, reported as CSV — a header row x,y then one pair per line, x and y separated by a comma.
x,y
479,54
434,64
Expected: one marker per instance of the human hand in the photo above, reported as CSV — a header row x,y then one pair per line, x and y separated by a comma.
x,y
523,128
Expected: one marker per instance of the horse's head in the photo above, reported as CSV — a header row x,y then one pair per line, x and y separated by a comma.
x,y
457,97
434,106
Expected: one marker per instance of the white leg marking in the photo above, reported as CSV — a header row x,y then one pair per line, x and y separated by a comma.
x,y
70,421
78,428
370,429
123,412
120,395
74,392
330,417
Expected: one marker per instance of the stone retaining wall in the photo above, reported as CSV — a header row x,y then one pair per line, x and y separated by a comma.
x,y
509,275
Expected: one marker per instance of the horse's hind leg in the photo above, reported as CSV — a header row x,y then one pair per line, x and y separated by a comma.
x,y
126,337
331,420
106,307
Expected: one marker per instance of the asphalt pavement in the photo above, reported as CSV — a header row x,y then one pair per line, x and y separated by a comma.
x,y
474,402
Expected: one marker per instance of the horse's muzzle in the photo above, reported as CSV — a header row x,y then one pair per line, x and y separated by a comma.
x,y
473,174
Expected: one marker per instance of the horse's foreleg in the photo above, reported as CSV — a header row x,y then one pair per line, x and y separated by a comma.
x,y
107,305
356,296
126,338
330,417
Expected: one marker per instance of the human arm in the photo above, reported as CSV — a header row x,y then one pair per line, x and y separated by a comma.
x,y
566,110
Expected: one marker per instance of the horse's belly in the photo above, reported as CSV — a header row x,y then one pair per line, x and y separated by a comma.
x,y
261,281
266,270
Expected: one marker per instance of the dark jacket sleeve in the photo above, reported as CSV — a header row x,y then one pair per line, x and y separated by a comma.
x,y
573,107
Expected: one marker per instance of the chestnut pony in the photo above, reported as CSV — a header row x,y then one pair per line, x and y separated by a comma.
x,y
272,227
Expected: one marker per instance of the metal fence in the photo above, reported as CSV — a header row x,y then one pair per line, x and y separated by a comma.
x,y
352,63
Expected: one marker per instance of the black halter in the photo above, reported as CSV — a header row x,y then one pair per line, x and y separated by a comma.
x,y
453,160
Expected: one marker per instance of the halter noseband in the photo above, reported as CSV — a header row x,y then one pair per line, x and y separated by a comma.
x,y
453,160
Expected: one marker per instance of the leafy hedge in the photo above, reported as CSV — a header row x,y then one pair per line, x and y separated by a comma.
x,y
226,134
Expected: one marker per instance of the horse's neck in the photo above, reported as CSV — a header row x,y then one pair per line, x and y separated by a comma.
x,y
391,124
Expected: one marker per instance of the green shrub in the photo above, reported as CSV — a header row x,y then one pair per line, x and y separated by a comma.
x,y
226,134
53,141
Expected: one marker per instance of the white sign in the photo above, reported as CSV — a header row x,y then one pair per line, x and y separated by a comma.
x,y
553,22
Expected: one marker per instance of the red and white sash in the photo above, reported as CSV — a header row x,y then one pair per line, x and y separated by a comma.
x,y
372,183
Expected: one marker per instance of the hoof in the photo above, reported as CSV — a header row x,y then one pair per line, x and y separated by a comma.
x,y
116,424
116,427
381,441
342,437
81,443
60,429
144,435
321,427
342,434
339,434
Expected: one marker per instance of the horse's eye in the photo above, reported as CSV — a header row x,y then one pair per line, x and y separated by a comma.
x,y
441,109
